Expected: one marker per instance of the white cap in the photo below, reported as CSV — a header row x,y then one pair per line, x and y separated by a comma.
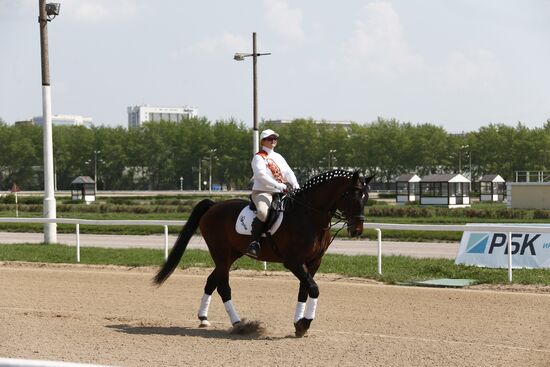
x,y
267,133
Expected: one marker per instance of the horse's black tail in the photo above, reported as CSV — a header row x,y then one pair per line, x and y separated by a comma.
x,y
183,239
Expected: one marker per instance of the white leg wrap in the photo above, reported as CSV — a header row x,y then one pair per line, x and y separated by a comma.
x,y
230,309
299,313
205,303
311,306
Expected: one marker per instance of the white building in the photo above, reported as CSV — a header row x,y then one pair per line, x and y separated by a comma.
x,y
451,190
65,120
344,124
137,115
407,187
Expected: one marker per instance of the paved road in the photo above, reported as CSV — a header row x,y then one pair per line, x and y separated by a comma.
x,y
346,247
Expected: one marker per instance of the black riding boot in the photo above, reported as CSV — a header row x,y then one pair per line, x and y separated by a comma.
x,y
257,230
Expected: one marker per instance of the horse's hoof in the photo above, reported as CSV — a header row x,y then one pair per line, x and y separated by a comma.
x,y
301,327
204,323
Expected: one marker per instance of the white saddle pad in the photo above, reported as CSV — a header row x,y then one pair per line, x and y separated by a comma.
x,y
245,218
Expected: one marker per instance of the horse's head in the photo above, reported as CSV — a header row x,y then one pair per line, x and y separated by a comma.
x,y
352,204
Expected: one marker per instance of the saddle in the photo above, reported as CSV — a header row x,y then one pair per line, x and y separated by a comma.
x,y
274,216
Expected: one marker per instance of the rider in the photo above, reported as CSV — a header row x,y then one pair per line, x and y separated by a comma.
x,y
271,175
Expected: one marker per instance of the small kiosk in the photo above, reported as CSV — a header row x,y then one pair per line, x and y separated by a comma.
x,y
407,188
492,188
83,188
451,190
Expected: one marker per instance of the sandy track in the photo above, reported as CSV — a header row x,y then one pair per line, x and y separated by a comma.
x,y
111,315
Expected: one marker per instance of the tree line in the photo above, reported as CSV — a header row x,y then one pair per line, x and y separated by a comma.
x,y
165,155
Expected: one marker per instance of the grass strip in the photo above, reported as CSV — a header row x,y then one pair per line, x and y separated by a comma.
x,y
395,268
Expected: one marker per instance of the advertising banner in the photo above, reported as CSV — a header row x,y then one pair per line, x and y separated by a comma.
x,y
490,249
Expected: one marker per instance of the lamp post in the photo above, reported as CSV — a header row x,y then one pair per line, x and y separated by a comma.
x,y
240,57
96,152
47,12
460,158
200,169
211,155
331,157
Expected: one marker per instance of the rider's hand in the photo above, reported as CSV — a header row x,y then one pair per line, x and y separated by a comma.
x,y
281,186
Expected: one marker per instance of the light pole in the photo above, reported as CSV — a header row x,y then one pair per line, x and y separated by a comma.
x,y
47,12
471,172
240,57
212,151
200,168
460,158
330,157
96,152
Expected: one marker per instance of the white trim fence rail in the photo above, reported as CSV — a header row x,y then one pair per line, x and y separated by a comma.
x,y
378,227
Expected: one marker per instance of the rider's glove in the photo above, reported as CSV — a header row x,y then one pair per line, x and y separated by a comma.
x,y
281,186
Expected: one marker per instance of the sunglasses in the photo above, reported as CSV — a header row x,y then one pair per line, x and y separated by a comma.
x,y
271,138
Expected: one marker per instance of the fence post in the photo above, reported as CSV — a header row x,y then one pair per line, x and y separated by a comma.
x,y
379,236
165,242
510,257
78,242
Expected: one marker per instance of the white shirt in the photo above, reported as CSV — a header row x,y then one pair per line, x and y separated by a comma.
x,y
263,177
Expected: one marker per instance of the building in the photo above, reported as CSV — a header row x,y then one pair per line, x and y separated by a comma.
x,y
492,188
451,190
407,188
531,190
137,115
344,124
65,120
83,188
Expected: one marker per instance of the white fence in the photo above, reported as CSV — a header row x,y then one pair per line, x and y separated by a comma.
x,y
78,222
376,226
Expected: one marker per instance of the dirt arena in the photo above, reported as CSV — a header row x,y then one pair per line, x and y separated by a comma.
x,y
113,316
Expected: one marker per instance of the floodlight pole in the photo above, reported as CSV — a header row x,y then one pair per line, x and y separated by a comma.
x,y
240,57
255,130
50,229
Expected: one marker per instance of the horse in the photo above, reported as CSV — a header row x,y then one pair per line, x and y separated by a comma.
x,y
299,243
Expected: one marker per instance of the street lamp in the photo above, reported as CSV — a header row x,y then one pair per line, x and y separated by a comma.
x,y
47,12
460,158
240,57
331,157
96,152
200,169
212,151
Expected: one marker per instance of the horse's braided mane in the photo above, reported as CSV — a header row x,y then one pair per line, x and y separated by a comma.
x,y
322,178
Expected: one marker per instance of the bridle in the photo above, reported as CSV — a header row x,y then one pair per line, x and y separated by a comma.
x,y
341,217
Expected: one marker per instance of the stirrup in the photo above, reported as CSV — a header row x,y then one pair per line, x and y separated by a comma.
x,y
253,249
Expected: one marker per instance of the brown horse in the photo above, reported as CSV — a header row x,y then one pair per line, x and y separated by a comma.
x,y
299,243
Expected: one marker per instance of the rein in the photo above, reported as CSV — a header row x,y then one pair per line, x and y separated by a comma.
x,y
326,215
341,218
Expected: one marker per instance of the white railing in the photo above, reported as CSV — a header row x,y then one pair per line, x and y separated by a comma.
x,y
477,227
532,176
78,222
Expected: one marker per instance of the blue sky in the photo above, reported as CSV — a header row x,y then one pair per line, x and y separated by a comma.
x,y
459,64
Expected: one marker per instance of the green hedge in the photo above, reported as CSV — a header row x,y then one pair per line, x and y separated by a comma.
x,y
482,213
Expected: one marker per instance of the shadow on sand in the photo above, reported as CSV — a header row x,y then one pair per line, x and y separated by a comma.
x,y
248,330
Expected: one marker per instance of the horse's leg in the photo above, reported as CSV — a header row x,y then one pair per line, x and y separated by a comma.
x,y
307,298
224,290
304,291
209,288
302,299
